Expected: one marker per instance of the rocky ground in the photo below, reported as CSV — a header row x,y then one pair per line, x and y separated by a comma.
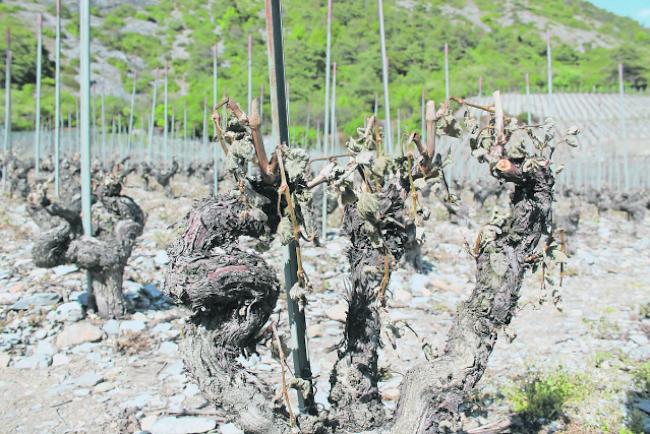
x,y
63,370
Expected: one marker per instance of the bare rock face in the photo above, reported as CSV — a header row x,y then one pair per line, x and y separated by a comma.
x,y
116,220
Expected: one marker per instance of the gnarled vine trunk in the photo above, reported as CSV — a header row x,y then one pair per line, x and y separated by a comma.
x,y
117,222
432,392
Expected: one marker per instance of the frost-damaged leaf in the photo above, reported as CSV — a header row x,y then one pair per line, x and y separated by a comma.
x,y
367,204
296,161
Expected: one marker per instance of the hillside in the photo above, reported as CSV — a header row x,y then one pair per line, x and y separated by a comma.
x,y
498,40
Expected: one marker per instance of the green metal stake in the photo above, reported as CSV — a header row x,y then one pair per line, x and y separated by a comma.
x,y
57,100
172,132
334,126
129,133
384,68
37,132
326,128
153,118
215,147
626,145
297,323
204,136
165,126
7,141
184,129
84,66
103,115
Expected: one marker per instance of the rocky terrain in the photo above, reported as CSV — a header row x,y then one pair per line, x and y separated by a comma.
x,y
64,370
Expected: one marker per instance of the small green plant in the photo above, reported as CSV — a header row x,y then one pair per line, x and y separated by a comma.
x,y
641,376
644,310
541,396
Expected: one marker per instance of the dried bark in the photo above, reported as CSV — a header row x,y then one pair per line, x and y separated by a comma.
x,y
432,392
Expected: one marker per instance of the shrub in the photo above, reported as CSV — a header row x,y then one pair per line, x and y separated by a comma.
x,y
543,396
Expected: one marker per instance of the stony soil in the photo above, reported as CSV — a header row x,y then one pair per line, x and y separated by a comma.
x,y
63,370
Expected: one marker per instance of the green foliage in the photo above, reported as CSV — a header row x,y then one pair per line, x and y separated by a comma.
x,y
641,376
540,396
183,33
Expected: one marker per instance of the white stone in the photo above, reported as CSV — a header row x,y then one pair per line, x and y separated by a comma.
x,y
111,327
182,425
72,311
338,312
168,348
161,259
78,333
60,359
138,402
229,428
88,379
62,270
132,325
39,299
37,361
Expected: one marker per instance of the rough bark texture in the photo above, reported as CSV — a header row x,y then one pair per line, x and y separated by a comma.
x,y
354,394
117,222
230,295
432,392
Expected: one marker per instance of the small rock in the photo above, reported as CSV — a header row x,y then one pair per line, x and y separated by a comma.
x,y
131,286
89,379
7,298
81,392
37,361
162,327
639,339
132,325
138,402
147,422
161,259
72,311
230,428
191,390
111,327
45,348
644,405
419,283
315,330
168,348
338,312
151,291
182,425
78,333
4,360
38,299
104,386
390,394
60,359
401,297
62,270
